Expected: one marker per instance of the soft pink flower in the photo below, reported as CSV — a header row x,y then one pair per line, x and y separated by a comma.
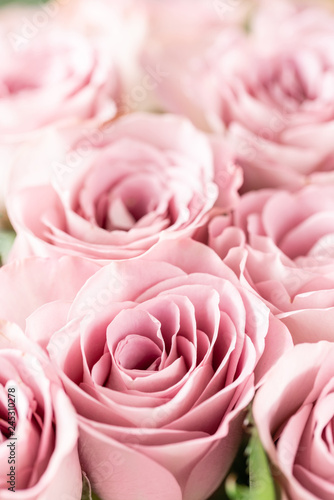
x,y
270,91
294,414
33,283
118,189
38,426
160,356
278,102
61,77
64,62
58,78
283,248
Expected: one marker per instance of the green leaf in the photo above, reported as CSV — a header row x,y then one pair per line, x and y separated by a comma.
x,y
87,493
236,491
24,2
261,483
6,242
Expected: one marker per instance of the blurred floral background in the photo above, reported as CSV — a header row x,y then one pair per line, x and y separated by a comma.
x,y
250,477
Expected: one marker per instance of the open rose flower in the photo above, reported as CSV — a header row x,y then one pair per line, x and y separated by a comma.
x,y
160,356
24,282
116,190
278,103
284,249
272,94
294,414
52,71
38,428
59,77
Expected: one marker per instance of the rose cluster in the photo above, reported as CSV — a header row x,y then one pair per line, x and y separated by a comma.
x,y
167,306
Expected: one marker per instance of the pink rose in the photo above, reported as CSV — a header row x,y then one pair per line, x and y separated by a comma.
x,y
279,98
118,189
272,96
38,428
62,67
284,249
160,357
60,76
114,29
294,414
24,282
